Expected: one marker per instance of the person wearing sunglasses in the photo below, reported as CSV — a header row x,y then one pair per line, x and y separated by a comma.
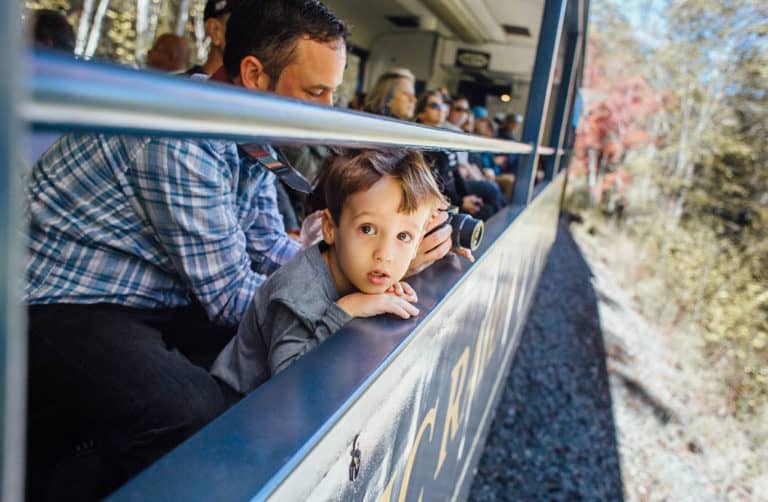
x,y
464,183
458,115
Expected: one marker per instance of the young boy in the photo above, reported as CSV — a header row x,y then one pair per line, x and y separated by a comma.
x,y
378,205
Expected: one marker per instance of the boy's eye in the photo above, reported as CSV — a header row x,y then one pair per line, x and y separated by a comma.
x,y
404,236
367,229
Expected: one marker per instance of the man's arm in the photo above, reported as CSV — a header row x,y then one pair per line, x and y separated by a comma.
x,y
267,243
184,188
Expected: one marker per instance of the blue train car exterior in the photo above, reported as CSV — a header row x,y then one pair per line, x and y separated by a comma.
x,y
385,410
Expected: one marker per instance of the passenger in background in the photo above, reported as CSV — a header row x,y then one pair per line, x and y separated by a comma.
x,y
507,130
358,102
482,127
169,53
445,164
481,118
215,15
458,114
144,253
378,205
475,181
51,30
393,95
469,124
492,163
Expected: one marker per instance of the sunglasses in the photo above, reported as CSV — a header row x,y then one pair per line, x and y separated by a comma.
x,y
434,106
460,109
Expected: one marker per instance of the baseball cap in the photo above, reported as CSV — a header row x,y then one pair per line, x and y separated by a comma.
x,y
480,112
217,8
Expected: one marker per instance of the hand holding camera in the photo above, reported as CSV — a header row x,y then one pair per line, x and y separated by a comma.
x,y
466,231
448,230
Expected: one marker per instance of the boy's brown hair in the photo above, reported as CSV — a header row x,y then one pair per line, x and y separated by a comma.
x,y
350,171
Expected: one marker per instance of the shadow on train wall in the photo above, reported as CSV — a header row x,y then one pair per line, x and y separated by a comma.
x,y
554,435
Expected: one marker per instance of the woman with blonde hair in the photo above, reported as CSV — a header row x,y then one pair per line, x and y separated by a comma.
x,y
393,95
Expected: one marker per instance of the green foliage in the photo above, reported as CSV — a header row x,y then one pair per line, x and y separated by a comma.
x,y
699,201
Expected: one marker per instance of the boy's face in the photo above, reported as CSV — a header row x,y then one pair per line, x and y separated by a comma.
x,y
374,243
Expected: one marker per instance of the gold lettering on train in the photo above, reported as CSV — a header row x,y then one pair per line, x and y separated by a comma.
x,y
429,421
387,495
453,411
478,368
484,348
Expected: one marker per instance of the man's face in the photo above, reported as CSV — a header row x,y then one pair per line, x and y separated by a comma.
x,y
374,242
459,112
315,73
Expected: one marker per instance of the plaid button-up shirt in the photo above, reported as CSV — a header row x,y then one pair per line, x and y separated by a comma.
x,y
152,222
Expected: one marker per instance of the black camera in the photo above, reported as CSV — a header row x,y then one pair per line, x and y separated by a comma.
x,y
467,232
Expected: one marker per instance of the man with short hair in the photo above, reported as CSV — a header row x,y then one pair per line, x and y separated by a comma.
x,y
507,129
458,114
141,249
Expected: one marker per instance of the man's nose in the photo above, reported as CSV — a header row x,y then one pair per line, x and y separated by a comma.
x,y
326,99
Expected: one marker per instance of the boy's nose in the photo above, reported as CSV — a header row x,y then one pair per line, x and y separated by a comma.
x,y
383,253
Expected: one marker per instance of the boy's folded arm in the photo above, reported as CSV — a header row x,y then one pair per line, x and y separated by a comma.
x,y
293,335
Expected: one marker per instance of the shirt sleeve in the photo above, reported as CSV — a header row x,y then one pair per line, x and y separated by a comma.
x,y
268,245
293,336
185,189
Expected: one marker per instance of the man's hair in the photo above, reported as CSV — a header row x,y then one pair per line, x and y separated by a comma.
x,y
218,8
351,171
270,29
51,29
383,90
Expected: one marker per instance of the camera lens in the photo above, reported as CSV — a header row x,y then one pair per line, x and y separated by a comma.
x,y
467,231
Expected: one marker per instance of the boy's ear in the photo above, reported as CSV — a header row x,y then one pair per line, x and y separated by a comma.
x,y
328,227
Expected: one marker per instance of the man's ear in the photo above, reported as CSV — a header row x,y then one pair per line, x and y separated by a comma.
x,y
328,227
252,74
215,30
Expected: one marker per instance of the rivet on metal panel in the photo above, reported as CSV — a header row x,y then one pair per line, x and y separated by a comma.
x,y
354,464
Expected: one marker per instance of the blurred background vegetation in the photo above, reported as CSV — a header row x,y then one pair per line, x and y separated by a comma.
x,y
672,151
124,30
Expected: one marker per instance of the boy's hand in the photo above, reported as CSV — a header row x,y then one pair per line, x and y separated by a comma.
x,y
363,305
433,246
403,290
